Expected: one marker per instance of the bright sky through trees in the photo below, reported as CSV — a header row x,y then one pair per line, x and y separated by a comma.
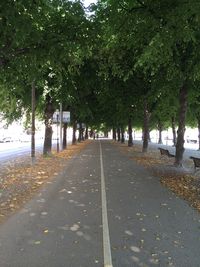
x,y
88,2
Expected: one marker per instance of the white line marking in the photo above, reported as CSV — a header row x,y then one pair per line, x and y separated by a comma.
x,y
106,237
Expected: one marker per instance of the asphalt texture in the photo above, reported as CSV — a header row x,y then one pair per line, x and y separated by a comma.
x,y
62,225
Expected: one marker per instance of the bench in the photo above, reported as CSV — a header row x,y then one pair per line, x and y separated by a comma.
x,y
196,162
165,152
192,141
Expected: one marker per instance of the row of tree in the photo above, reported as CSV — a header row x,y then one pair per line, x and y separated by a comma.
x,y
152,65
120,64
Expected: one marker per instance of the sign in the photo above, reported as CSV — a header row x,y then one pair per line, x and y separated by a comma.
x,y
82,125
66,116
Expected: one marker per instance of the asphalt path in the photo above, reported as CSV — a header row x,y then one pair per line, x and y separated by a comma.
x,y
103,210
15,150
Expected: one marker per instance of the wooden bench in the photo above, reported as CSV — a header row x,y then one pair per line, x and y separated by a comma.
x,y
196,162
165,152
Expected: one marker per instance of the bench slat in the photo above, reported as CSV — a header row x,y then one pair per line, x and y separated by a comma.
x,y
196,162
166,152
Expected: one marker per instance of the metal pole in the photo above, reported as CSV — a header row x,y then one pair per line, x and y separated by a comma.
x,y
61,122
57,115
33,123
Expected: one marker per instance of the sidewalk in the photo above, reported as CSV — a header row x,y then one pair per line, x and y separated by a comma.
x,y
182,181
62,225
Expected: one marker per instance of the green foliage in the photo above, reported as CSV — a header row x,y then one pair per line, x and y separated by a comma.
x,y
101,66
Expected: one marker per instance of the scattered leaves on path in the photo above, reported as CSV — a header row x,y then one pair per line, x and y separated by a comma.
x,y
19,180
184,185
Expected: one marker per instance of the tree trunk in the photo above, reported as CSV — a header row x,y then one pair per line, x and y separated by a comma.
x,y
145,127
80,132
174,131
65,135
33,123
130,133
160,129
48,114
122,135
114,134
86,133
74,133
198,120
181,127
118,134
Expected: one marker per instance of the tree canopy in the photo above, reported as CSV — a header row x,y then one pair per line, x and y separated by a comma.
x,y
117,64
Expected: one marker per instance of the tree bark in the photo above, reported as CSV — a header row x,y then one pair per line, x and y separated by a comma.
x,y
198,121
86,132
174,131
130,133
106,134
48,114
74,133
181,126
80,132
65,135
122,135
145,127
114,134
118,134
160,129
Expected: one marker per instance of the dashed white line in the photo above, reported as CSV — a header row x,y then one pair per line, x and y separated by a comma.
x,y
106,236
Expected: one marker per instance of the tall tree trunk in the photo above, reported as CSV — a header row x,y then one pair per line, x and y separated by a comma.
x,y
114,134
130,133
181,126
80,132
122,135
160,129
106,134
198,120
145,127
174,130
33,123
74,133
48,114
86,132
65,135
118,134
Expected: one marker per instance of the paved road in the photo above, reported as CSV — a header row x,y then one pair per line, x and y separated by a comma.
x,y
144,223
14,150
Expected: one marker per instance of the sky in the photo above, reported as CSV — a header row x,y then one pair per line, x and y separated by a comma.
x,y
88,2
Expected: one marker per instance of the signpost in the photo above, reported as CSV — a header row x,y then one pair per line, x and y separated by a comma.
x,y
60,117
66,116
56,120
